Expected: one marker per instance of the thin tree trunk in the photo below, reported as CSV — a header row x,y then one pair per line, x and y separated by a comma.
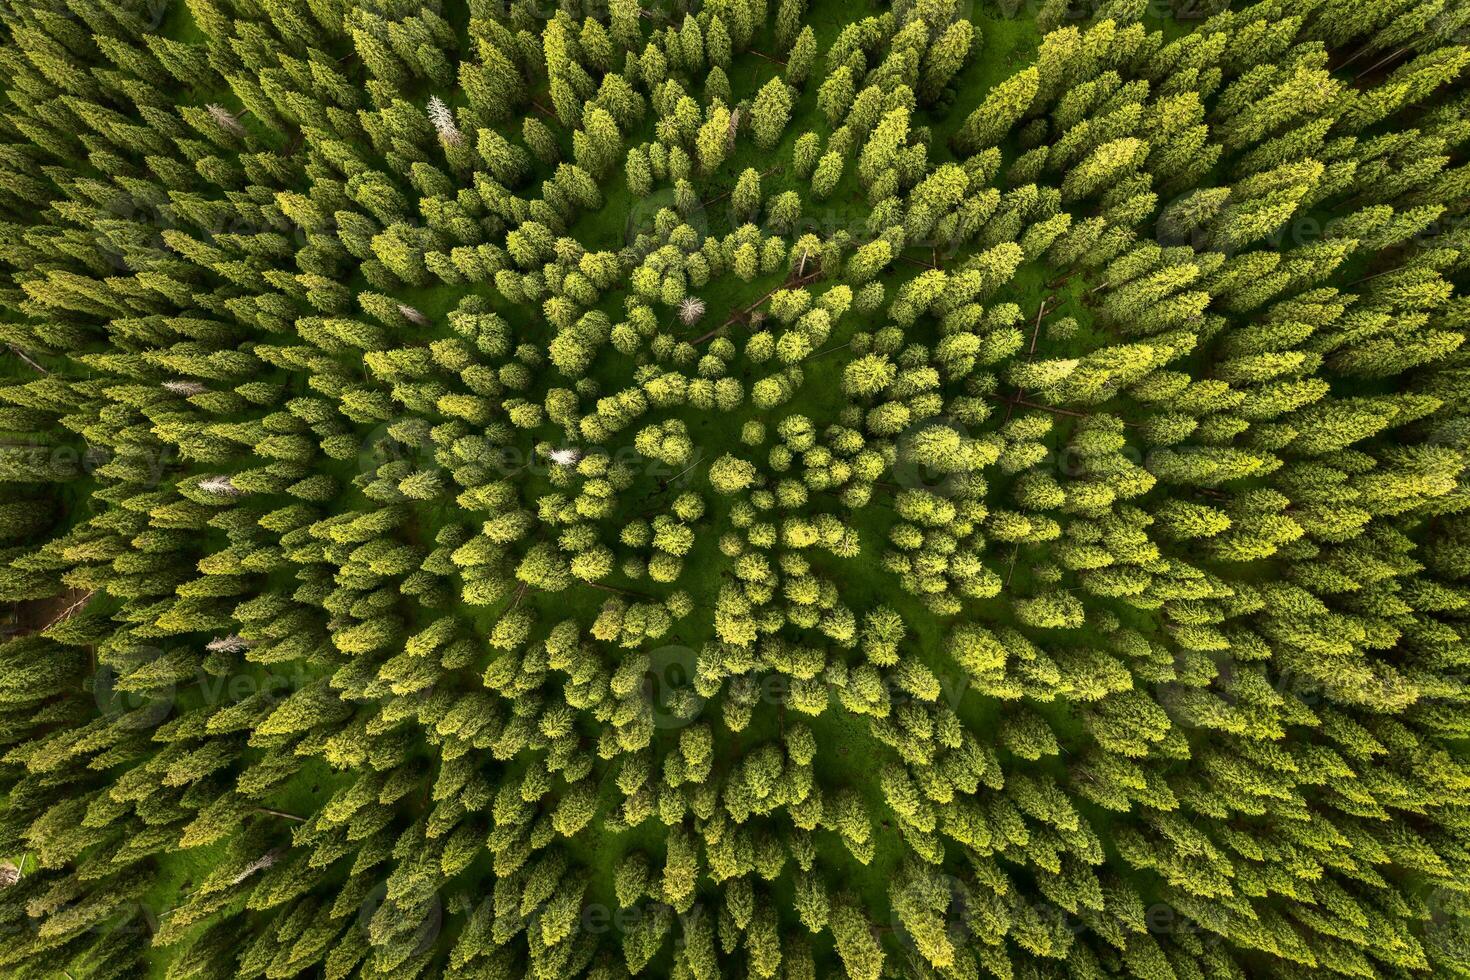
x,y
788,284
1381,63
66,613
26,357
609,588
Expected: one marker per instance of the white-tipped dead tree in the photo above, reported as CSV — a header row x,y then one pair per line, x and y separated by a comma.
x,y
225,119
691,308
185,388
220,485
442,118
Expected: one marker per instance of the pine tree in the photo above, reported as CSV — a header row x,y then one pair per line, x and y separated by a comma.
x,y
770,112
800,59
1003,106
835,95
945,58
826,175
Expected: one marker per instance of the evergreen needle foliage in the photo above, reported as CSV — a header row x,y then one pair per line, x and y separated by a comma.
x,y
752,488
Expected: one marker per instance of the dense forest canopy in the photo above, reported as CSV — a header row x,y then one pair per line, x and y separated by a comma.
x,y
743,488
